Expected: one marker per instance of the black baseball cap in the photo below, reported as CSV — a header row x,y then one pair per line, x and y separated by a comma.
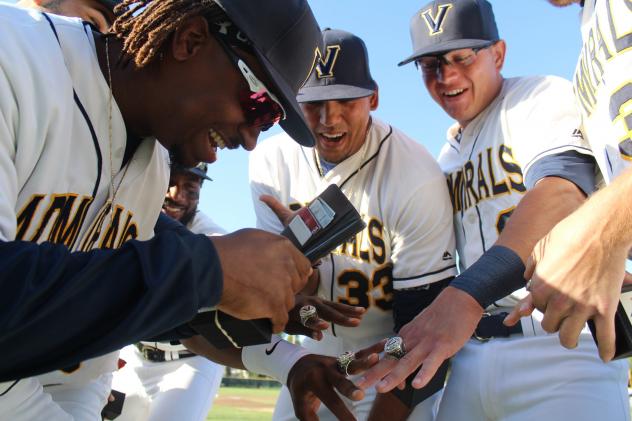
x,y
341,70
285,38
442,26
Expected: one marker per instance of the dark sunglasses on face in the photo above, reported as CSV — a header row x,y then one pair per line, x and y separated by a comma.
x,y
430,65
261,108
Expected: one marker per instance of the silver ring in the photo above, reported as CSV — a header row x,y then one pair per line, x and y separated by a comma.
x,y
344,360
394,347
308,315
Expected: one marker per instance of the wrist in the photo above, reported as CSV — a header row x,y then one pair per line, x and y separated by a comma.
x,y
275,359
496,274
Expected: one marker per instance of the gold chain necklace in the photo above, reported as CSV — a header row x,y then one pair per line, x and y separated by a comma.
x,y
112,191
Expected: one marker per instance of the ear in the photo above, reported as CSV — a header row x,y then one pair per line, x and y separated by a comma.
x,y
499,49
189,38
375,99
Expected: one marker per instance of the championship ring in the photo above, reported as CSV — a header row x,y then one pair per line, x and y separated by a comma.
x,y
394,347
344,360
308,315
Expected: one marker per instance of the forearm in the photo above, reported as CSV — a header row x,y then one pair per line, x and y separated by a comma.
x,y
550,201
608,214
59,308
228,356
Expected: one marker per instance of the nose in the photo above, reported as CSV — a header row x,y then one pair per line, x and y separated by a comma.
x,y
330,113
446,71
176,193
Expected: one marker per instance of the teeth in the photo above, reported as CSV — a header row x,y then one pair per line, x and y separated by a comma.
x,y
333,135
454,92
217,138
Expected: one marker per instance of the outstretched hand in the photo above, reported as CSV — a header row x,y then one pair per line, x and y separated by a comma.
x,y
313,378
436,334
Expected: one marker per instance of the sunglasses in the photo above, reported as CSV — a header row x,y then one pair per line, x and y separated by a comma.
x,y
430,65
260,106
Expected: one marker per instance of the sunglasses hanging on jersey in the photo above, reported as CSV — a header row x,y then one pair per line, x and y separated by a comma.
x,y
261,108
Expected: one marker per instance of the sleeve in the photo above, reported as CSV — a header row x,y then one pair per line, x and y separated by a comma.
x,y
570,165
541,119
423,235
58,308
261,182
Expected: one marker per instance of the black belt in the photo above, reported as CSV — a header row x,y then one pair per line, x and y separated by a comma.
x,y
158,356
491,326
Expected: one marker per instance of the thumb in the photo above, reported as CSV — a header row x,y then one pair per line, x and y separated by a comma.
x,y
284,214
529,267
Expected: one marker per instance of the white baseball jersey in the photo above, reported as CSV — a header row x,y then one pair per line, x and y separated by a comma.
x,y
603,83
486,165
487,162
203,224
55,148
399,191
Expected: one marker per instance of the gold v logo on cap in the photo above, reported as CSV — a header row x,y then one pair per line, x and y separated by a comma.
x,y
435,23
325,67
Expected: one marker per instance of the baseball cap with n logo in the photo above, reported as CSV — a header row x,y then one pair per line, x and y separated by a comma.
x,y
442,26
341,70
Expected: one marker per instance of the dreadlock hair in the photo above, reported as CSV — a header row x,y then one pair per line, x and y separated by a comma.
x,y
144,25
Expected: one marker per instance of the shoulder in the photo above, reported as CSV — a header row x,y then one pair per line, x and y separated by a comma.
x,y
521,88
406,155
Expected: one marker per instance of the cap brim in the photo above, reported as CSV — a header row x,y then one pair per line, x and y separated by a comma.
x,y
445,47
294,123
332,93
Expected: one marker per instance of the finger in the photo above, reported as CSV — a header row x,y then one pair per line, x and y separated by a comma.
x,y
428,370
604,327
284,214
407,364
375,373
328,312
346,387
524,308
351,311
371,349
331,399
570,329
557,308
360,364
305,407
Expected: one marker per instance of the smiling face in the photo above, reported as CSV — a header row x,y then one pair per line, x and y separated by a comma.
x,y
182,198
198,103
464,90
340,126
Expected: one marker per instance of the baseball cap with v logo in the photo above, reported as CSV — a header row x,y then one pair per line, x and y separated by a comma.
x,y
442,26
341,70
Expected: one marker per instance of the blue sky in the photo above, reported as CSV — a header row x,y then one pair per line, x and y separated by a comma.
x,y
541,39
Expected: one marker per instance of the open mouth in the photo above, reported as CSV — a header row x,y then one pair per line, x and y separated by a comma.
x,y
453,93
332,137
216,139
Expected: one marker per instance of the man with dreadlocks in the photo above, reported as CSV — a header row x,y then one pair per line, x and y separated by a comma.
x,y
82,181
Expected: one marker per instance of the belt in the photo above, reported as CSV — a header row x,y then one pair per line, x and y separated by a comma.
x,y
491,326
158,356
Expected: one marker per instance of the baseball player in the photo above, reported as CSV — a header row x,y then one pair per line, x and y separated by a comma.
x,y
161,380
83,181
581,280
404,256
515,150
100,13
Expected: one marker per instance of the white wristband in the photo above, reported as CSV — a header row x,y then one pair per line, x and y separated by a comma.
x,y
275,359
